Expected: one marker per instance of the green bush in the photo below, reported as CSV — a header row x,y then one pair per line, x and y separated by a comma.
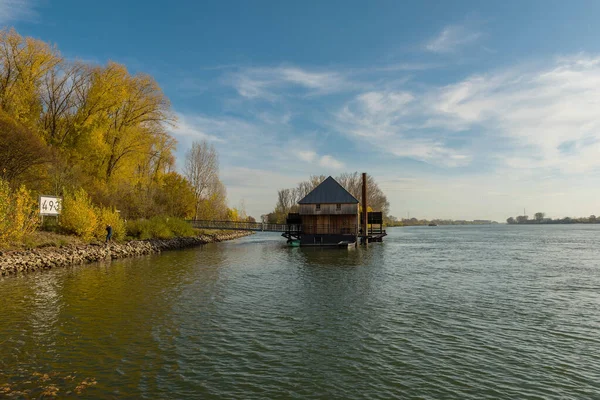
x,y
138,229
159,228
180,228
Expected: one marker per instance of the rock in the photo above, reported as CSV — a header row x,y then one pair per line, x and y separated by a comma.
x,y
13,262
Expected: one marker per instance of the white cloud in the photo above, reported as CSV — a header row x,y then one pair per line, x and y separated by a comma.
x,y
328,161
270,83
451,38
549,115
308,156
523,132
15,10
325,161
390,121
528,117
193,128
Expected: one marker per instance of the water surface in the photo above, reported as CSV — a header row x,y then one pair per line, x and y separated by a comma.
x,y
433,312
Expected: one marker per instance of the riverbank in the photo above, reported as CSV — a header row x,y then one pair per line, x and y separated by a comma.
x,y
18,262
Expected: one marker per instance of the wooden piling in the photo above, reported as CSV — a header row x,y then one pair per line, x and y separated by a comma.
x,y
365,209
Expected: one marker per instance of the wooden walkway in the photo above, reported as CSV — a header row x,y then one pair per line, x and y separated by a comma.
x,y
244,226
374,234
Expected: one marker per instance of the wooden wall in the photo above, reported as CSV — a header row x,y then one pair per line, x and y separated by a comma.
x,y
328,209
330,224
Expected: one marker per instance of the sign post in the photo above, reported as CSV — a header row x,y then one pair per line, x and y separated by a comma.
x,y
50,205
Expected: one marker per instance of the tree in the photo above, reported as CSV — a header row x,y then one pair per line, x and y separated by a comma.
x,y
175,197
286,203
592,219
539,216
23,64
521,219
352,182
376,199
202,171
511,221
21,151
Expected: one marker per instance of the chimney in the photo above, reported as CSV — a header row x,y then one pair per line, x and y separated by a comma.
x,y
365,207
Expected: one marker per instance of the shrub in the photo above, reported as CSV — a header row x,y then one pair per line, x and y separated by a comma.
x,y
18,213
108,216
179,227
138,229
159,227
79,215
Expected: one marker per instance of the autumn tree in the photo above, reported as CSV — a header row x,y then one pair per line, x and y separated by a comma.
x,y
202,171
22,152
24,62
73,125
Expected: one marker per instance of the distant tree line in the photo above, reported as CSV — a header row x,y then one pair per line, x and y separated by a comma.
x,y
540,218
393,221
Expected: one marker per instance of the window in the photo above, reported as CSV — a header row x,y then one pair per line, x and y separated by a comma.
x,y
318,207
338,207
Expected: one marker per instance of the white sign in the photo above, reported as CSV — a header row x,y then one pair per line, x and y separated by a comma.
x,y
50,205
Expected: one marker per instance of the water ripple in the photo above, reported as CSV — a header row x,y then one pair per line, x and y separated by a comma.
x,y
450,312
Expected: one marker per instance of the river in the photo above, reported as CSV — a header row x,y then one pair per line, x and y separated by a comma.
x,y
469,312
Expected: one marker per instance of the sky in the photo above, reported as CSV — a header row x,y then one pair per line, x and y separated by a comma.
x,y
462,110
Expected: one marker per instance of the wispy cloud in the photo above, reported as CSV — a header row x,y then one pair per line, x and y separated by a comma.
x,y
194,128
527,117
16,10
325,161
328,161
392,121
451,38
269,83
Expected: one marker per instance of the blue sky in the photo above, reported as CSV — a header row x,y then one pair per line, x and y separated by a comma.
x,y
460,110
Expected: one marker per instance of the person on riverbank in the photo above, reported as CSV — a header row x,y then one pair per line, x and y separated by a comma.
x,y
109,231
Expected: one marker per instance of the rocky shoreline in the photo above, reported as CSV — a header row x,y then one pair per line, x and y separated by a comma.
x,y
18,262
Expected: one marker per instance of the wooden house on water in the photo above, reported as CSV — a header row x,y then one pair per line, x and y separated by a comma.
x,y
327,216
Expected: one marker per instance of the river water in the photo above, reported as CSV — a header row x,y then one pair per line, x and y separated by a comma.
x,y
433,312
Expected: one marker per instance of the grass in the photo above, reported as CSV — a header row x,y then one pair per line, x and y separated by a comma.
x,y
140,229
40,239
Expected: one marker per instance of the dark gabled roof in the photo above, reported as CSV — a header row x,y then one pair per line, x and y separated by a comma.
x,y
329,192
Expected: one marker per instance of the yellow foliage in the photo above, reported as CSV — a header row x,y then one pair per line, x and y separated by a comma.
x,y
18,215
108,216
79,215
233,214
99,128
23,64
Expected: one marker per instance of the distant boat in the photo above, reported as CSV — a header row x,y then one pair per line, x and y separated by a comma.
x,y
432,224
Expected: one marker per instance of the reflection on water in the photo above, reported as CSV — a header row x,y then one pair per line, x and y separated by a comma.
x,y
450,312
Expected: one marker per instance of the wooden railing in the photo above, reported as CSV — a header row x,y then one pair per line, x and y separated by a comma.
x,y
244,226
311,229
